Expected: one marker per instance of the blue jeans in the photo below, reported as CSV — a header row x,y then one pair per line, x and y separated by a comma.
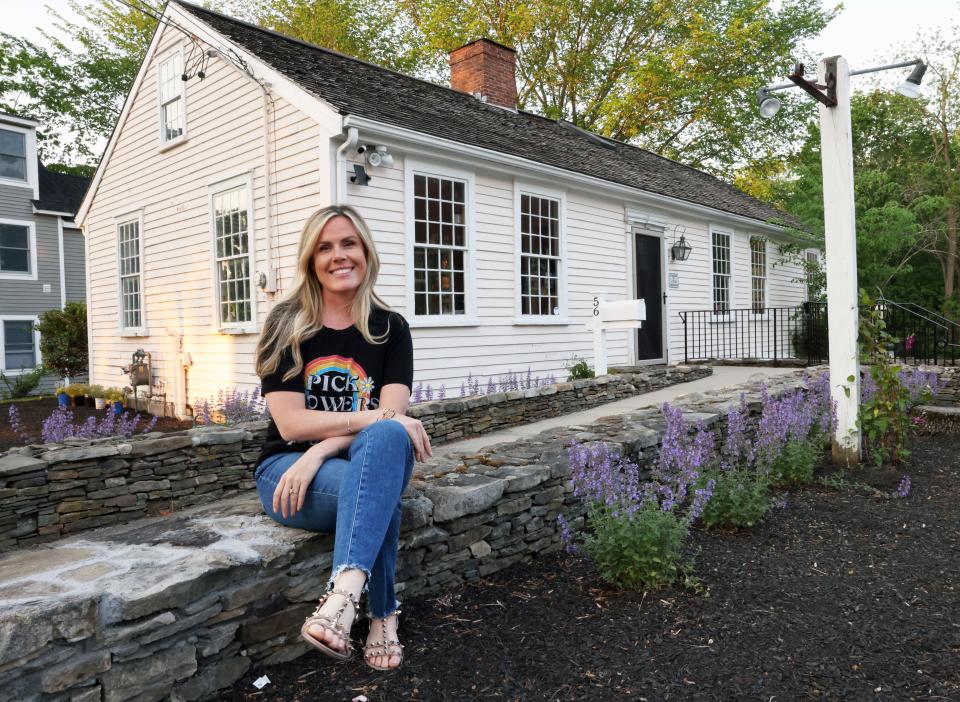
x,y
358,498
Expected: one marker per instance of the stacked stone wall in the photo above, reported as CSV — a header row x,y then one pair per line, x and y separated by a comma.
x,y
178,607
51,491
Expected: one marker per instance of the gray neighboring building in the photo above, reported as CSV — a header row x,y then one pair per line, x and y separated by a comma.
x,y
42,262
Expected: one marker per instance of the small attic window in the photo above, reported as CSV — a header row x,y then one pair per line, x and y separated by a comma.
x,y
171,99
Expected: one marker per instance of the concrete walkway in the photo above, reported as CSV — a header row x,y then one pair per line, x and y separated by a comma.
x,y
723,377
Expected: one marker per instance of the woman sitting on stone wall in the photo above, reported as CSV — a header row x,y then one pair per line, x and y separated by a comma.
x,y
337,368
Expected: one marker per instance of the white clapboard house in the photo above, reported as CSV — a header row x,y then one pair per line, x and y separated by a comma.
x,y
497,228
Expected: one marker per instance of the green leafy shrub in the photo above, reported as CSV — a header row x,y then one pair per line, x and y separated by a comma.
x,y
795,463
22,384
741,498
638,551
888,392
578,369
63,340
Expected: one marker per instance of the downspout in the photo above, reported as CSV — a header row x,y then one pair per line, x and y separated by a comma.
x,y
340,177
269,285
63,280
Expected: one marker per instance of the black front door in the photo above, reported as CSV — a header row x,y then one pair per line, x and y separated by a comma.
x,y
650,289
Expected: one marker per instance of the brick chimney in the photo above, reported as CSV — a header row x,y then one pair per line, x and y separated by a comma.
x,y
486,67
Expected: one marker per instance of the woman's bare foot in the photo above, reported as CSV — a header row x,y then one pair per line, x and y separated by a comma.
x,y
348,581
383,630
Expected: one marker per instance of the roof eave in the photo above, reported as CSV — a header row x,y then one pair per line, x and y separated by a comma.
x,y
376,128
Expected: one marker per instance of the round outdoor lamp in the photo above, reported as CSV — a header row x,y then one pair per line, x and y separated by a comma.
x,y
680,251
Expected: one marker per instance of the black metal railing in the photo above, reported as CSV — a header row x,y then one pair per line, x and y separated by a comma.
x,y
779,334
922,336
799,334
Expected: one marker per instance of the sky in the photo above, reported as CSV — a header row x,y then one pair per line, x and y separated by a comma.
x,y
865,32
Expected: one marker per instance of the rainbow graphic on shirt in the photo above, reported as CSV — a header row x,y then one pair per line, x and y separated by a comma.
x,y
338,384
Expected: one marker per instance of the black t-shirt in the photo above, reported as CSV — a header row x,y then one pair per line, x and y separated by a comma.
x,y
343,372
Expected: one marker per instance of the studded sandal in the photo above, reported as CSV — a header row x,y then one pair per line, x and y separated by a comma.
x,y
331,624
386,647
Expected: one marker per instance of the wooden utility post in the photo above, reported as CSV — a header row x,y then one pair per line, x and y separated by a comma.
x,y
840,237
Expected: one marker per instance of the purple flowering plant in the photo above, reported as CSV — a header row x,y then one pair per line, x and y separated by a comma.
x,y
59,425
640,526
511,380
13,414
231,406
741,491
903,489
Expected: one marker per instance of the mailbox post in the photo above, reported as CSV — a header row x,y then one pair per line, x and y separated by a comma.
x,y
623,314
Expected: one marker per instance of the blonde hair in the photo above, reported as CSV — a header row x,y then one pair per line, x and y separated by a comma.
x,y
299,315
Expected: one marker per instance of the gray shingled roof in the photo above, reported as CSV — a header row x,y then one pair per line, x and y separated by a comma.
x,y
60,192
358,88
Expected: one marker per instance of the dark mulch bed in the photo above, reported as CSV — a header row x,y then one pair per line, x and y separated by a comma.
x,y
843,594
33,412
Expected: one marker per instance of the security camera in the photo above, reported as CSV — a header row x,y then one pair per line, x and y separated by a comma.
x,y
361,149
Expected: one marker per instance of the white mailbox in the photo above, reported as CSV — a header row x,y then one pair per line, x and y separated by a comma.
x,y
622,314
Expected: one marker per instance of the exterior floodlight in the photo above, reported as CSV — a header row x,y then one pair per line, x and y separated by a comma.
x,y
911,86
379,156
769,105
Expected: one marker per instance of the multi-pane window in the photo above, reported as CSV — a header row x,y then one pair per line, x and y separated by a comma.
x,y
18,347
232,234
539,255
13,155
721,272
14,248
170,85
440,245
131,295
758,274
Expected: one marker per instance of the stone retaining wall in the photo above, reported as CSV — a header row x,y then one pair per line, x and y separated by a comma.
x,y
50,491
949,391
449,420
178,607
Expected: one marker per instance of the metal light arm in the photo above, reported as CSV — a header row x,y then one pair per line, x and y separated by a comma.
x,y
815,89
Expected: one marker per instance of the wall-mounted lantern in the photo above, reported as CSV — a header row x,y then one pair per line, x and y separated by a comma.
x,y
680,251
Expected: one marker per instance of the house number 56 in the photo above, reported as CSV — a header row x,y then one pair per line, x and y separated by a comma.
x,y
596,307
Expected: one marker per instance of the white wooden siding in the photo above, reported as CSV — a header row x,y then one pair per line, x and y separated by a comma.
x,y
225,121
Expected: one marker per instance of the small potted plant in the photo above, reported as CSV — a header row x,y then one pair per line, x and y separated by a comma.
x,y
74,392
98,393
115,397
63,399
83,396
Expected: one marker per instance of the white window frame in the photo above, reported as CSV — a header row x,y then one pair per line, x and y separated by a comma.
x,y
469,317
561,318
33,180
176,52
32,258
766,274
244,181
3,342
135,216
722,316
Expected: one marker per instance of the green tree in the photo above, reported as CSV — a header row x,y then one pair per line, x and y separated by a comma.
x,y
907,184
76,88
675,76
370,30
63,339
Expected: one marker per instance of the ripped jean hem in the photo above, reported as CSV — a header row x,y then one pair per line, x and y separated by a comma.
x,y
349,566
